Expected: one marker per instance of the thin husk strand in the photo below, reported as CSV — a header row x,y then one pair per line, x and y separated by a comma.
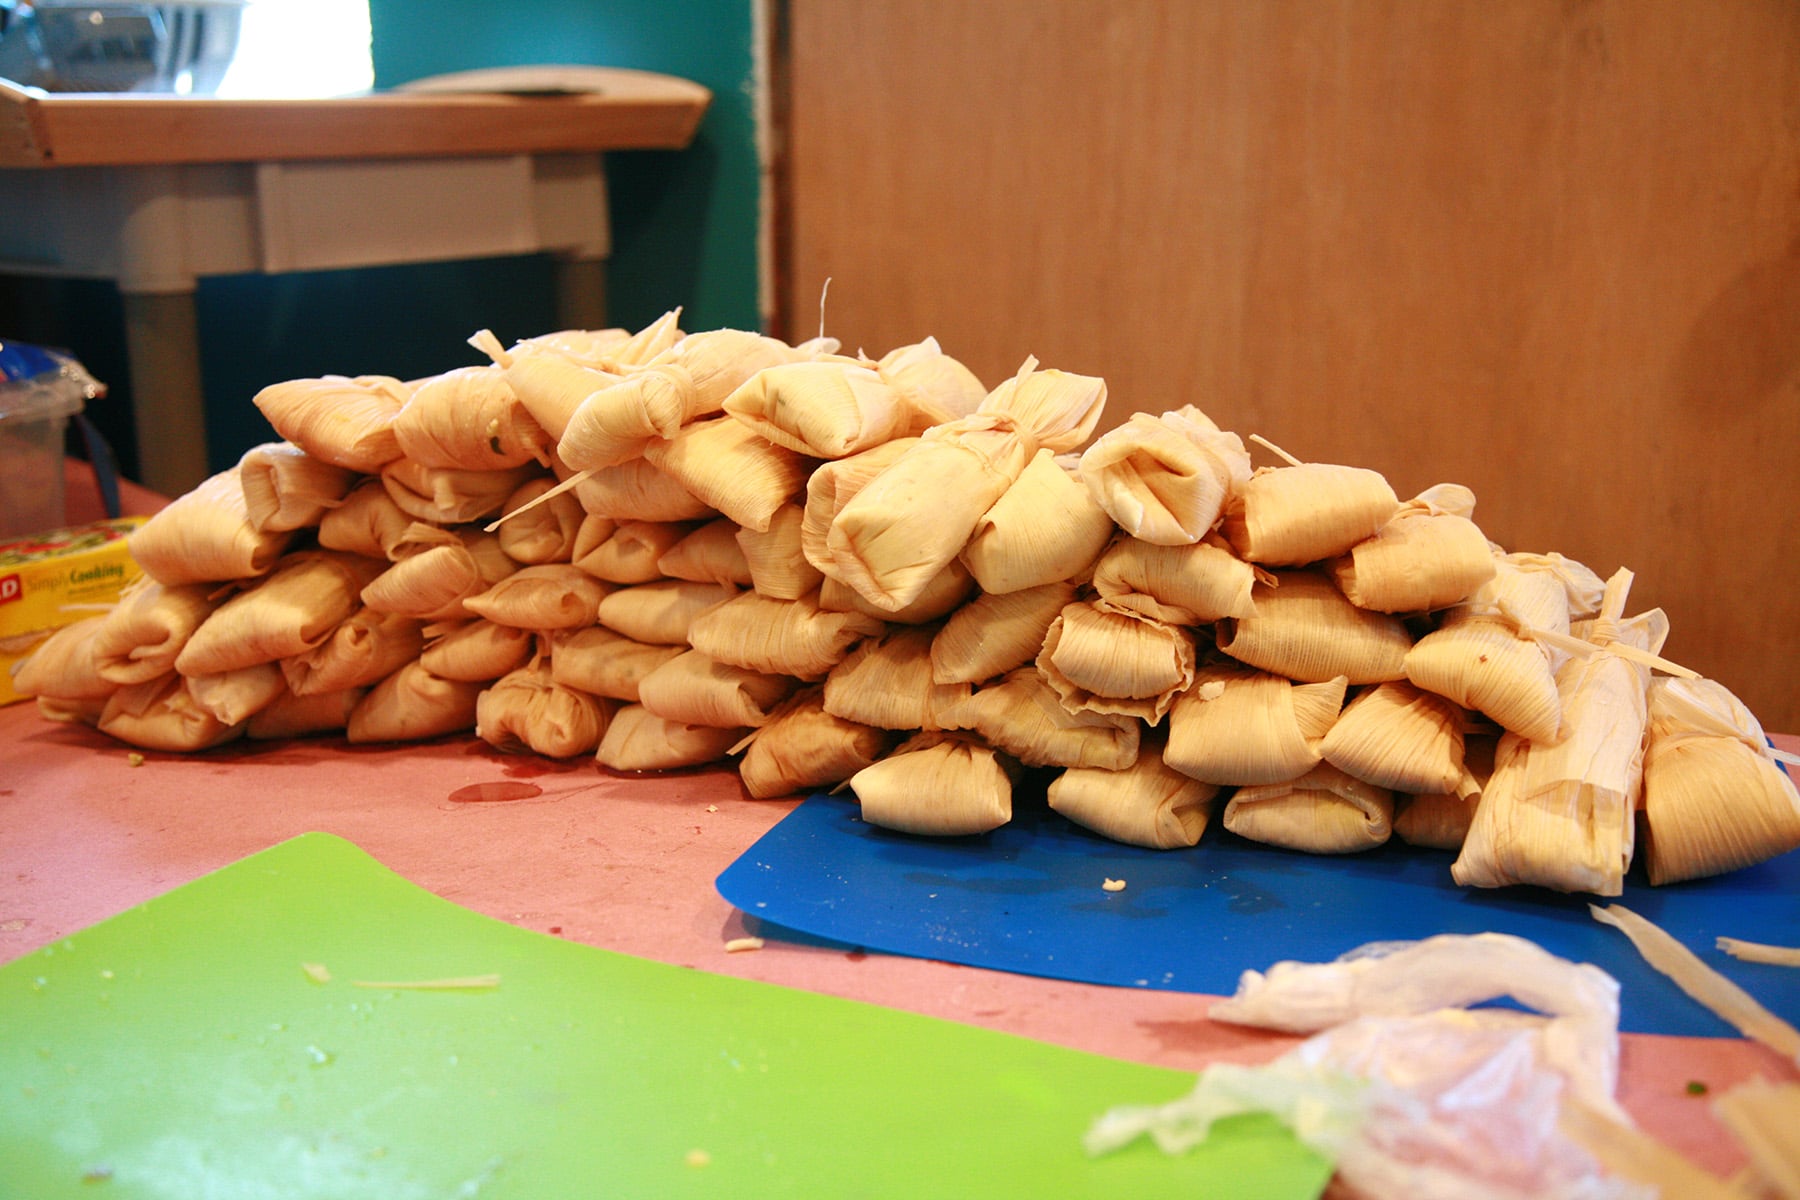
x,y
1762,1116
1628,1153
1759,952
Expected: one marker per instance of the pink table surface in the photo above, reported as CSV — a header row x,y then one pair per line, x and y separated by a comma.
x,y
625,863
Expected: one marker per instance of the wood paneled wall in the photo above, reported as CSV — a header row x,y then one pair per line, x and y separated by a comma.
x,y
1547,249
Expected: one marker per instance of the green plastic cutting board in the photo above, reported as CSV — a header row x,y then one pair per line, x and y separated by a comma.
x,y
182,1050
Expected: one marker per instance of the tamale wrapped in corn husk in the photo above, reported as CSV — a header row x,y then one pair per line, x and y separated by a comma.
x,y
1304,628
1191,584
550,378
475,651
1563,815
886,682
726,464
366,647
527,710
1428,556
1022,715
1583,589
935,386
991,635
712,554
347,422
776,558
948,590
780,637
1441,820
826,408
803,747
1054,410
1043,528
288,612
161,714
636,739
233,697
695,689
368,522
614,349
1323,812
1165,479
1104,659
1400,737
468,418
64,667
287,488
293,716
938,785
141,634
1715,798
449,495
72,712
1239,726
632,552
205,536
436,570
536,529
548,596
661,613
1293,515
604,663
639,490
412,705
831,486
1145,804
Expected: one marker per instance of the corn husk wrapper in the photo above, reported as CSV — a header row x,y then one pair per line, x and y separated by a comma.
x,y
729,467
1400,737
1190,584
550,378
1441,820
827,408
834,484
64,667
613,349
935,386
712,553
1022,715
1715,799
205,536
1165,479
991,635
803,747
780,637
1428,556
412,705
776,558
639,490
1293,515
468,418
286,488
287,613
1044,527
1239,726
632,552
72,712
604,663
1305,629
437,571
1145,804
886,682
1056,410
661,613
1323,812
141,635
636,739
535,530
162,714
550,596
948,590
233,697
347,422
368,522
695,689
1583,590
475,651
527,710
937,785
1103,659
293,716
448,495
366,647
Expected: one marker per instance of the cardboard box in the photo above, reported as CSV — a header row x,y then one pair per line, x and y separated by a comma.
x,y
55,579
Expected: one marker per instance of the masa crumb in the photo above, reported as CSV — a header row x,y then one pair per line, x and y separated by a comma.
x,y
743,943
1113,885
135,759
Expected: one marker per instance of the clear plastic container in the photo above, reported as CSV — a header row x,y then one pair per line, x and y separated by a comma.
x,y
39,391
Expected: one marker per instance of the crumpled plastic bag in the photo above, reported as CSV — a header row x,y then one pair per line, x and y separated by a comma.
x,y
1410,1091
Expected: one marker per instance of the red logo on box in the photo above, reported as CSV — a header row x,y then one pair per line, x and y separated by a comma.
x,y
11,588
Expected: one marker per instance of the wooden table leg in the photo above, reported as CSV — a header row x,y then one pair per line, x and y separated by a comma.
x,y
580,293
168,405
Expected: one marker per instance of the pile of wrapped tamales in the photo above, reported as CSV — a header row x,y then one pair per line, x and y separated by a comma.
x,y
667,549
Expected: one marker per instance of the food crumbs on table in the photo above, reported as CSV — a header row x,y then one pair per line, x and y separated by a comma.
x,y
698,1158
712,808
1114,885
1696,1088
135,759
317,972
743,943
